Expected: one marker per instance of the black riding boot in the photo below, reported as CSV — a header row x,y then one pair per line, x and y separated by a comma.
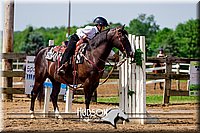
x,y
69,51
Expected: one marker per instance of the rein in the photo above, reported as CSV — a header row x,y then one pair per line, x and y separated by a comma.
x,y
116,65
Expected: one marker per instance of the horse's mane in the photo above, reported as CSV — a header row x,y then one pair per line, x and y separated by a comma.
x,y
98,39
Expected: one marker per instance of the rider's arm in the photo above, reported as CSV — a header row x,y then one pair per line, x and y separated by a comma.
x,y
87,32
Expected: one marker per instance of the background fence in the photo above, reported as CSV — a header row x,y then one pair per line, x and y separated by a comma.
x,y
175,69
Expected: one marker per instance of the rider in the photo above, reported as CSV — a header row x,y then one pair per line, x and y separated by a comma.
x,y
161,53
81,36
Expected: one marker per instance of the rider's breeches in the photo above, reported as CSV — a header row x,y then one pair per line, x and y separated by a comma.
x,y
70,50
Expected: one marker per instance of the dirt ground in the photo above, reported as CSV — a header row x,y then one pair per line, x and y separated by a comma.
x,y
170,118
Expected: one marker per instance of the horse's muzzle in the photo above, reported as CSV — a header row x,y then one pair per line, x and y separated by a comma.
x,y
131,54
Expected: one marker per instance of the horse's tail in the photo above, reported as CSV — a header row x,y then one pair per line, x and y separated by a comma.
x,y
38,50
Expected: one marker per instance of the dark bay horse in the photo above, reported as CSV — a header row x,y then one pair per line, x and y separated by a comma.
x,y
88,73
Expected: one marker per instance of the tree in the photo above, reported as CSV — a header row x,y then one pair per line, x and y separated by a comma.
x,y
114,25
170,46
20,38
144,26
33,43
186,35
164,38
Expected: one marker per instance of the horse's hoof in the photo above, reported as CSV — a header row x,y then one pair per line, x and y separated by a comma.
x,y
86,120
58,117
32,116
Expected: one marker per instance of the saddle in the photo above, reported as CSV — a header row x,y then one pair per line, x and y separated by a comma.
x,y
55,53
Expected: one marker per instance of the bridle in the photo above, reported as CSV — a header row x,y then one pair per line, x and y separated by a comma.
x,y
119,36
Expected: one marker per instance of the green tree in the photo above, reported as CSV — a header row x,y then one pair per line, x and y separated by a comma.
x,y
33,43
164,38
144,26
186,35
170,46
114,25
20,38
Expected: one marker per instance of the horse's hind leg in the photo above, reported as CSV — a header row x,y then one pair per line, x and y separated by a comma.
x,y
38,86
54,96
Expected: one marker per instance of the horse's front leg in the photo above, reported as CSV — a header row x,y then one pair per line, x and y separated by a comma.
x,y
89,87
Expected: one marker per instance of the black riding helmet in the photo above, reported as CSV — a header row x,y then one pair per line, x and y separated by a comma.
x,y
100,21
161,49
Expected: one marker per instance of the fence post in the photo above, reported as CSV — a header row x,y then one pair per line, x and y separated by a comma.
x,y
166,93
8,44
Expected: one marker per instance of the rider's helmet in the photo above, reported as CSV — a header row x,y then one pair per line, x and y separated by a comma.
x,y
161,49
100,21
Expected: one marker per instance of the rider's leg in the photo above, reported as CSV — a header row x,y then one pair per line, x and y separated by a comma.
x,y
68,52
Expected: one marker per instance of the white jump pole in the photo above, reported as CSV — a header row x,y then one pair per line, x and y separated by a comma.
x,y
68,102
143,81
46,99
133,80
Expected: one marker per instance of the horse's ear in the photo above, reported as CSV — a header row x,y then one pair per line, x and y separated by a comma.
x,y
123,27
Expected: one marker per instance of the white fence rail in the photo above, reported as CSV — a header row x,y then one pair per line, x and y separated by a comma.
x,y
149,68
19,67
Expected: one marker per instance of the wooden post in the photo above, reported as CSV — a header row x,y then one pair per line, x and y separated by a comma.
x,y
166,93
8,43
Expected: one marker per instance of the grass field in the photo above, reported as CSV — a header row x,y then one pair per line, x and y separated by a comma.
x,y
155,99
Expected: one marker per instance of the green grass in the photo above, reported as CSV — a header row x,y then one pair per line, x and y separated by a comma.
x,y
158,99
155,99
108,99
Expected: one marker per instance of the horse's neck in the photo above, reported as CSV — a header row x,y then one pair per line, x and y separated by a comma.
x,y
101,53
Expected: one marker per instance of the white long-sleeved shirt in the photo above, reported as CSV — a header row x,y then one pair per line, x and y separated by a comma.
x,y
160,55
89,31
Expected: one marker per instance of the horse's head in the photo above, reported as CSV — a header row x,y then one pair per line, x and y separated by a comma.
x,y
119,37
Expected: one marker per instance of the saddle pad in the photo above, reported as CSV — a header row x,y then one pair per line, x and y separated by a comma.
x,y
79,58
55,53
